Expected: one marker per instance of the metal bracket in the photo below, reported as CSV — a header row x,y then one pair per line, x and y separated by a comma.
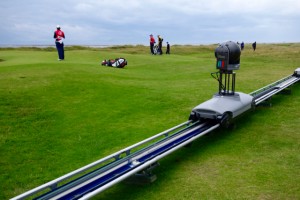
x,y
143,177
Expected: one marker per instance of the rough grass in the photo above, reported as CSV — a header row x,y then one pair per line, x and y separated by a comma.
x,y
58,116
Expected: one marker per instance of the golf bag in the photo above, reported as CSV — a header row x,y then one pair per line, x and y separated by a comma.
x,y
156,49
118,62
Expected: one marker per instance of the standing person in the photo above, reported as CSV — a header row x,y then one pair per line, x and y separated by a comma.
x,y
160,40
168,48
152,42
254,46
242,46
59,36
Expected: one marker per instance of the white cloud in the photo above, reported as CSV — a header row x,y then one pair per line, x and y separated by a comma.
x,y
118,21
83,7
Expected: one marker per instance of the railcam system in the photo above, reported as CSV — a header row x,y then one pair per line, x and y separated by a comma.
x,y
137,161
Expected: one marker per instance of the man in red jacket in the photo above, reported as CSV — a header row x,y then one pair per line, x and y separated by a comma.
x,y
59,36
152,42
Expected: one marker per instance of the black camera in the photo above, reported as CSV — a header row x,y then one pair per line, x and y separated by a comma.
x,y
228,56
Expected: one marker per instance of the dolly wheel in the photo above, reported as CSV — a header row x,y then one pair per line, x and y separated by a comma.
x,y
226,120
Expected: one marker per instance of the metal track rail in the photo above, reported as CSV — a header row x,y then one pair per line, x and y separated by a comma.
x,y
102,174
270,90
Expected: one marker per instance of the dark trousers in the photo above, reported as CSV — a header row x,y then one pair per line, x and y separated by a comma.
x,y
151,48
60,50
160,48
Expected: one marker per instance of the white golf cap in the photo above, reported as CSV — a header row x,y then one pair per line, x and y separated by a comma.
x,y
57,26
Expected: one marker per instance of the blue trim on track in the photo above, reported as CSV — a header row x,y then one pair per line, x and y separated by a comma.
x,y
126,168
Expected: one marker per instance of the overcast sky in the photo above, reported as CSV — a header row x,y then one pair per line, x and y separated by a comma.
x,y
111,22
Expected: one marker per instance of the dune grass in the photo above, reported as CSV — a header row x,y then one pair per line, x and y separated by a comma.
x,y
58,116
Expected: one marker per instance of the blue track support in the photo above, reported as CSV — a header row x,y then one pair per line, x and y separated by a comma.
x,y
128,167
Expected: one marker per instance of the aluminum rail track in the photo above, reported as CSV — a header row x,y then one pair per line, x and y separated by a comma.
x,y
270,90
96,177
102,174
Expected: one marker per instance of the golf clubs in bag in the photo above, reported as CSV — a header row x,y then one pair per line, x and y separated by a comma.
x,y
156,49
118,62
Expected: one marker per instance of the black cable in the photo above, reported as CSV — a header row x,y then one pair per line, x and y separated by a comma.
x,y
218,79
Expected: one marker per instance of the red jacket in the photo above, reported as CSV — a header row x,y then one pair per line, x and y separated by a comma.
x,y
152,40
59,35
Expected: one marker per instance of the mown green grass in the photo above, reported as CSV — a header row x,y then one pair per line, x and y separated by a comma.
x,y
58,116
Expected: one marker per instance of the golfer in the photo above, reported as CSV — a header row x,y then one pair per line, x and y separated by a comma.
x,y
152,42
254,46
160,41
59,36
168,48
